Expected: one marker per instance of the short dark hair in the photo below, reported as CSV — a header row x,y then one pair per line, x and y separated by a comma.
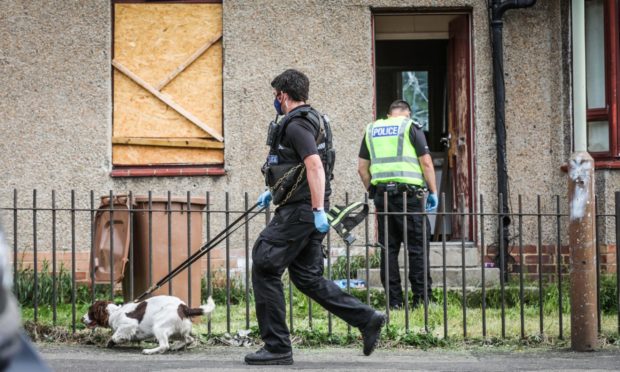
x,y
399,104
294,83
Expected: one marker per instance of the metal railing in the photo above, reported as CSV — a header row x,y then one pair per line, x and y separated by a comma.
x,y
442,312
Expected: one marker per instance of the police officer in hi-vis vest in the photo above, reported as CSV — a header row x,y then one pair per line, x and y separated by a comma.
x,y
395,158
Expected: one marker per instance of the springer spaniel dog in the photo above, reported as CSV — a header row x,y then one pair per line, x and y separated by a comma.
x,y
161,317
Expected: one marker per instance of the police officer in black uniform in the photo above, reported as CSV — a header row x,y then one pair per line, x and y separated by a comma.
x,y
399,110
298,172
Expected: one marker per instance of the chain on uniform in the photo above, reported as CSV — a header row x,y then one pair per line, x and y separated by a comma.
x,y
295,185
297,182
272,166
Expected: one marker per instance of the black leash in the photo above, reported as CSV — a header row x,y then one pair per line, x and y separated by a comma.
x,y
342,219
206,247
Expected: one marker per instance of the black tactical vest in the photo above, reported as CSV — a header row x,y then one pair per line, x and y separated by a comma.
x,y
284,172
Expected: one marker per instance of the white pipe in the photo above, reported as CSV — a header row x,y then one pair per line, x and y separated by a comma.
x,y
579,76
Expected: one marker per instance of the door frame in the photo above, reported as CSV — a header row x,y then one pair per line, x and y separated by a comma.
x,y
468,12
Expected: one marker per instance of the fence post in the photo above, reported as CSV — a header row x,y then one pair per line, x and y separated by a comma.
x,y
582,252
617,221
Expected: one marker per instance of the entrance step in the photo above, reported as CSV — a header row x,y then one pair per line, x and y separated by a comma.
x,y
454,277
454,251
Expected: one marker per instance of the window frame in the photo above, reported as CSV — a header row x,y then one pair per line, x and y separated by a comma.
x,y
160,170
611,158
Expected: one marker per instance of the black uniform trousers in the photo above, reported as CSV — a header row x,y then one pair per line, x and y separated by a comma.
x,y
415,244
291,241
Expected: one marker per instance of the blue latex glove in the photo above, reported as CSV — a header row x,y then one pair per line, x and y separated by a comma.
x,y
320,221
431,202
264,199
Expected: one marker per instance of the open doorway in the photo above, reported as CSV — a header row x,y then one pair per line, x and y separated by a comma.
x,y
425,59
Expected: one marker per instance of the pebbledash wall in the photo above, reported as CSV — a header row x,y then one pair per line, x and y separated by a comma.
x,y
56,102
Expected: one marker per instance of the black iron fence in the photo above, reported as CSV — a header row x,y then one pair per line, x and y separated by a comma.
x,y
519,290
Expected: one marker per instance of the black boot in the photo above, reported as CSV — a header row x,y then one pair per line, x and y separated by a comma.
x,y
372,331
265,357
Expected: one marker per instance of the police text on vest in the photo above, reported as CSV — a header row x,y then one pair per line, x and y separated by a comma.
x,y
385,131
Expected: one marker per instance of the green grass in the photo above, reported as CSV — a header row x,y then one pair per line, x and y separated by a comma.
x,y
316,331
396,333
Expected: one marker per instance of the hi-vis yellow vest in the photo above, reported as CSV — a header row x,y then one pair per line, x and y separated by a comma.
x,y
392,155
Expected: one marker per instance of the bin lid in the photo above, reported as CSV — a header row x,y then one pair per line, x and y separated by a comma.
x,y
120,199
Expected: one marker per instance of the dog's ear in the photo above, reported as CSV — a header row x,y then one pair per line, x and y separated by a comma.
x,y
98,312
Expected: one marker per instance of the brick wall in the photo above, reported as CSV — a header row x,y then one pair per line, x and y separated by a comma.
x,y
547,262
82,262
530,263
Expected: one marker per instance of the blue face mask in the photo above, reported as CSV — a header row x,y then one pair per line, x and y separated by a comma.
x,y
278,106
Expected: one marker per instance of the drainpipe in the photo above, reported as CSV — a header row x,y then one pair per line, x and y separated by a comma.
x,y
581,198
497,8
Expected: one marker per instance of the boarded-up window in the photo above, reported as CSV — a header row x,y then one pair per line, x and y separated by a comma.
x,y
167,84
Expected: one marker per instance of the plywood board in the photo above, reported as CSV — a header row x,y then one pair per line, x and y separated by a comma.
x,y
199,88
137,113
169,142
149,155
168,100
154,39
188,62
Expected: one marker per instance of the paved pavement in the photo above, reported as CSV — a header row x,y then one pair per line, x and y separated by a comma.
x,y
212,358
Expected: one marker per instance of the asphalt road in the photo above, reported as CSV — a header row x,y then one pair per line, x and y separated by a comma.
x,y
93,358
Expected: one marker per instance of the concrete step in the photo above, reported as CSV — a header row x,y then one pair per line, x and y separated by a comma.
x,y
454,277
453,255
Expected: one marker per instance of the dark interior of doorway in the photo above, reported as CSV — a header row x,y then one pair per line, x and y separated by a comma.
x,y
426,60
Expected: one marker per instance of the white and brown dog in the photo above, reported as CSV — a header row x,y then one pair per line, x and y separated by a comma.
x,y
159,317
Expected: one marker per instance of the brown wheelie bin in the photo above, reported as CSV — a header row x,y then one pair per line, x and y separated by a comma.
x,y
152,261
